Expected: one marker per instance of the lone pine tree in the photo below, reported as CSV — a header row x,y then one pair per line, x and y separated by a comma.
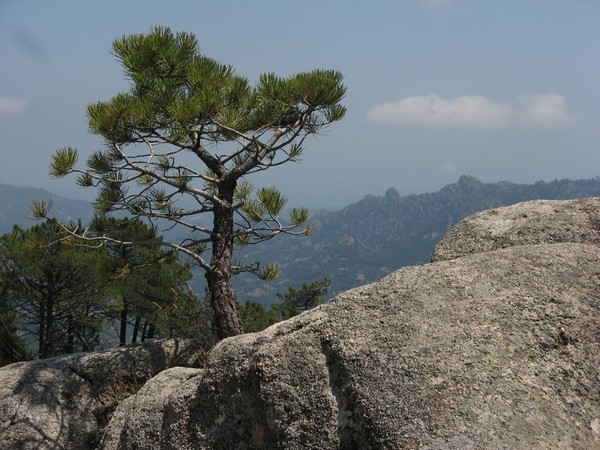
x,y
189,131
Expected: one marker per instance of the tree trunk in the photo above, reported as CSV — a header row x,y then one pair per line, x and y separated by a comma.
x,y
123,328
47,337
42,329
70,348
136,329
222,297
151,331
143,336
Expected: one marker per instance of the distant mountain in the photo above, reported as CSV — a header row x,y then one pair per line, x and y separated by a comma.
x,y
356,245
15,201
377,235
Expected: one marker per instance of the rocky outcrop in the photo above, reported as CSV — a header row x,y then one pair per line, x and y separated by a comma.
x,y
64,402
157,415
497,349
534,222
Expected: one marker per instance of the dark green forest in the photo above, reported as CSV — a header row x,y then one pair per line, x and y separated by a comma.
x,y
61,295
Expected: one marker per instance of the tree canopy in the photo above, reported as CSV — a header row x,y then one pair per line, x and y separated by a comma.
x,y
182,141
291,303
51,284
145,281
63,294
305,298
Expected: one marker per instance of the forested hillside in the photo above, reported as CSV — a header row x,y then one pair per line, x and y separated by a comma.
x,y
377,235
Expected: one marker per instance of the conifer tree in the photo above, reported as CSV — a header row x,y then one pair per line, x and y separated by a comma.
x,y
51,284
145,280
12,348
182,143
308,296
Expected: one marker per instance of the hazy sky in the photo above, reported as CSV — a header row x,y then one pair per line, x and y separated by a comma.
x,y
502,90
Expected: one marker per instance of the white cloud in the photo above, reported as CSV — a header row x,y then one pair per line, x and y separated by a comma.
x,y
531,110
11,106
542,110
434,110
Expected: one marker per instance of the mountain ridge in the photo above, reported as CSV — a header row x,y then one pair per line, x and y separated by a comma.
x,y
370,238
15,203
352,246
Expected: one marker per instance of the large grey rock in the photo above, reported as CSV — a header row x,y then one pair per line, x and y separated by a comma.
x,y
154,402
62,403
496,350
534,222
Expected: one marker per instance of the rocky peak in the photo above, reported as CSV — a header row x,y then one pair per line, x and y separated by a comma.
x,y
469,181
533,222
392,196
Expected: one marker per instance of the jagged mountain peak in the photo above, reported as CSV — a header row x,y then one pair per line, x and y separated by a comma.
x,y
378,234
469,180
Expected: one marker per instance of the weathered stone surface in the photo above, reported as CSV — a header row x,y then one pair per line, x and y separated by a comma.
x,y
534,222
495,350
154,403
61,403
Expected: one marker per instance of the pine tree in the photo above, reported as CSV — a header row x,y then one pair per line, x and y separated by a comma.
x,y
307,297
182,143
51,283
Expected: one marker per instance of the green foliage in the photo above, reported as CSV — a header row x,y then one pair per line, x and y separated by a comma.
x,y
253,210
85,180
63,161
307,297
271,200
269,272
12,348
256,317
243,190
185,99
189,131
183,315
49,282
147,282
40,209
285,311
264,212
99,162
299,216
59,290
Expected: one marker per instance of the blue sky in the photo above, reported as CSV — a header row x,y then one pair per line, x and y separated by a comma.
x,y
502,90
